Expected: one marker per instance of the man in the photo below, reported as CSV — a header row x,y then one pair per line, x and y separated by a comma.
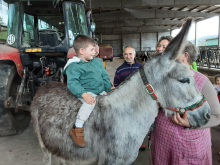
x,y
126,69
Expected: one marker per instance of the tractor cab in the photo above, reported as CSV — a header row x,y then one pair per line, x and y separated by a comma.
x,y
39,42
42,27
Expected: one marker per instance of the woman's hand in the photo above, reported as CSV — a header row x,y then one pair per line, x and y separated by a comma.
x,y
181,121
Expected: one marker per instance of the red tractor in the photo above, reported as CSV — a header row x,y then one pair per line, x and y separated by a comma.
x,y
40,35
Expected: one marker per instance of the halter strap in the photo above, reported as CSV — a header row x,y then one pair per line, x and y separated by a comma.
x,y
149,88
189,108
150,91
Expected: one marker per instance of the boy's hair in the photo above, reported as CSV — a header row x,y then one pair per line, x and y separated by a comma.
x,y
217,76
192,50
82,41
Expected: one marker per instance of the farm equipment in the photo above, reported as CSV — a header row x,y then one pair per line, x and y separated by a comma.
x,y
39,42
106,52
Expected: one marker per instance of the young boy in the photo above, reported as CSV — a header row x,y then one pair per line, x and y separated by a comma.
x,y
86,78
217,85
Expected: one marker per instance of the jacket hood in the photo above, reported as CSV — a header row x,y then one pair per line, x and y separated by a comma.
x,y
74,59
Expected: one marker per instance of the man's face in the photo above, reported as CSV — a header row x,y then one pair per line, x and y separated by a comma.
x,y
88,53
129,55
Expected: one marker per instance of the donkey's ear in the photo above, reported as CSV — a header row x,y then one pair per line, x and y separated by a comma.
x,y
176,46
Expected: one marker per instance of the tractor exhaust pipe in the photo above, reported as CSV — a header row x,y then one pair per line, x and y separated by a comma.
x,y
88,16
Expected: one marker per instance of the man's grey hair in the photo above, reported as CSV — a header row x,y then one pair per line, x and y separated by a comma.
x,y
192,50
129,47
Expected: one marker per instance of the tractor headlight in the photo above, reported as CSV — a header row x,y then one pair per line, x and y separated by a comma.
x,y
92,26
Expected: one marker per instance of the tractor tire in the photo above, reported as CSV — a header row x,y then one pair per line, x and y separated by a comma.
x,y
11,123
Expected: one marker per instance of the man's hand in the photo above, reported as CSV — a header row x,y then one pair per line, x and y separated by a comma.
x,y
89,99
181,121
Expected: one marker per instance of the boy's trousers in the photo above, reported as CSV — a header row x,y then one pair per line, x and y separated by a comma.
x,y
86,109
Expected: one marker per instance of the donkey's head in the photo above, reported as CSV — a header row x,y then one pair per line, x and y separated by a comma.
x,y
173,81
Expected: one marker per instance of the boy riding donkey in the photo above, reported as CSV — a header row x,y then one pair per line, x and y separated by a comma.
x,y
86,78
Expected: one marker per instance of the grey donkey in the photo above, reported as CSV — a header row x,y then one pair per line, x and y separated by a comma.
x,y
120,120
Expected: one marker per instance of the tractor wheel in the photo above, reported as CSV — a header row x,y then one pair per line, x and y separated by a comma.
x,y
11,123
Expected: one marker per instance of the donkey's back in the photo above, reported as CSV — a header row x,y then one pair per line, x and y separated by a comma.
x,y
106,132
54,111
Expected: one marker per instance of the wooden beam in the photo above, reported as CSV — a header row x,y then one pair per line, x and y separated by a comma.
x,y
180,9
193,8
171,8
213,10
181,18
204,9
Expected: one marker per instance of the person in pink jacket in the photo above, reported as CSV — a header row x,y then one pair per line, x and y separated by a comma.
x,y
174,142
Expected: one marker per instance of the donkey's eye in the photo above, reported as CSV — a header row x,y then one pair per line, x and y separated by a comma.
x,y
185,80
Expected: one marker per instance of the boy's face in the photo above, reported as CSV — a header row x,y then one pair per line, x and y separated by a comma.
x,y
218,81
88,53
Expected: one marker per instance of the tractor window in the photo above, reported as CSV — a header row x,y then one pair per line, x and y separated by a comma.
x,y
13,24
42,24
51,22
51,30
28,33
76,20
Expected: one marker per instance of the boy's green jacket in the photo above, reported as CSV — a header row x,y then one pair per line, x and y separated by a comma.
x,y
85,76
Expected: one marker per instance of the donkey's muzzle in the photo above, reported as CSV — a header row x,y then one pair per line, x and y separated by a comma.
x,y
200,116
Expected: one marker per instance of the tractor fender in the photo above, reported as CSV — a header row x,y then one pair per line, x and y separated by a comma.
x,y
13,54
71,52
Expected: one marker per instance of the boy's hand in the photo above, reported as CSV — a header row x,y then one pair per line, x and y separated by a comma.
x,y
113,87
89,99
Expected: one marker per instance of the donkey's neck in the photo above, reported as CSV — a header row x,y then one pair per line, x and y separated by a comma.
x,y
130,94
131,104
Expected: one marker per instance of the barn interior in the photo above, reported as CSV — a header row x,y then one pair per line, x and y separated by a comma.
x,y
140,24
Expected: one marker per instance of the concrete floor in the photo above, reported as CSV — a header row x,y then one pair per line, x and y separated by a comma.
x,y
24,149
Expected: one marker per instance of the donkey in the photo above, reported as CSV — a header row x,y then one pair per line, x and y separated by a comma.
x,y
120,120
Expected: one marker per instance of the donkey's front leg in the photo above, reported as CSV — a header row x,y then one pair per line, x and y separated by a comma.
x,y
47,157
62,162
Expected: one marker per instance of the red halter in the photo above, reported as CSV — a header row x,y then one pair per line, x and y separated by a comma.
x,y
150,91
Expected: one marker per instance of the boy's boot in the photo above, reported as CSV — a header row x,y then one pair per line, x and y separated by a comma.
x,y
78,136
142,148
